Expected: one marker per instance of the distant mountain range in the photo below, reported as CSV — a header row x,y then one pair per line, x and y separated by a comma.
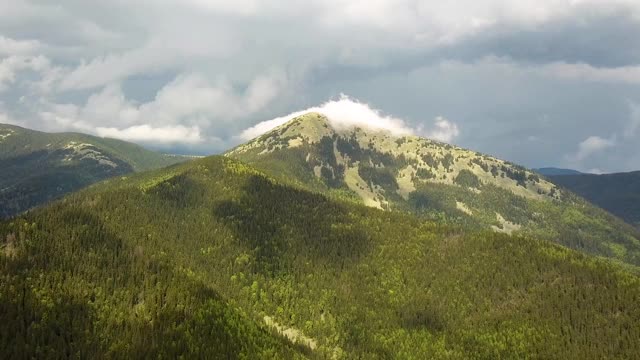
x,y
618,193
38,167
552,171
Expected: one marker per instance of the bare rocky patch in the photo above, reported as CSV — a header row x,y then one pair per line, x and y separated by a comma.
x,y
294,335
82,151
506,226
463,207
5,133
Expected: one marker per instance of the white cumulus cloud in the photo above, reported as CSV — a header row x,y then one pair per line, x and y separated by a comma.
x,y
181,112
10,46
347,113
591,146
342,113
149,134
443,130
11,66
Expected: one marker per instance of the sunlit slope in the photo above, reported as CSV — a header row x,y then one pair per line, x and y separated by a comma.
x,y
212,258
38,167
436,180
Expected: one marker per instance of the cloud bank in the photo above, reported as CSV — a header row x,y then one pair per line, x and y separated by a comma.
x,y
558,71
177,114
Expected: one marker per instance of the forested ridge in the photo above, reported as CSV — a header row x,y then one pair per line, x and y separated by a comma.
x,y
37,167
202,259
436,181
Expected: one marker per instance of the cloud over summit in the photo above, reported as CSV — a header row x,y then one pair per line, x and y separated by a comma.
x,y
346,112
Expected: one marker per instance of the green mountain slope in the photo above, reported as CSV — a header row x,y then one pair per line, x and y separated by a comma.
x,y
617,193
38,167
212,258
436,180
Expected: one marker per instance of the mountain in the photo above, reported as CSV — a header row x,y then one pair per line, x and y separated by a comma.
x,y
552,171
38,167
435,180
215,259
618,193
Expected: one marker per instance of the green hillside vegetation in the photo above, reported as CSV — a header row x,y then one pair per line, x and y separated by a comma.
x,y
617,193
436,181
214,259
38,167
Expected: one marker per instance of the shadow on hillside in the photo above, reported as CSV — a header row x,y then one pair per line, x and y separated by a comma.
x,y
41,176
284,224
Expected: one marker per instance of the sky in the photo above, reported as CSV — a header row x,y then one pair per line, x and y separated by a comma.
x,y
536,82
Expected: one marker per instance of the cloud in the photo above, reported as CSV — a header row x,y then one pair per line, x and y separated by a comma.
x,y
10,46
238,7
11,66
177,36
165,50
634,120
622,140
595,171
557,70
179,113
149,134
346,113
443,130
192,95
342,113
114,68
591,146
493,66
5,119
581,71
573,32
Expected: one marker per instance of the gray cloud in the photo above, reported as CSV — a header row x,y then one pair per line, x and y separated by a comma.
x,y
527,81
600,36
591,145
634,120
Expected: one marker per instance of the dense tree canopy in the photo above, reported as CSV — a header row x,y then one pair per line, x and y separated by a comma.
x,y
214,259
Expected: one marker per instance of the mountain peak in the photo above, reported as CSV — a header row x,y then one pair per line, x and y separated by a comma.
x,y
309,127
312,126
382,167
429,178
